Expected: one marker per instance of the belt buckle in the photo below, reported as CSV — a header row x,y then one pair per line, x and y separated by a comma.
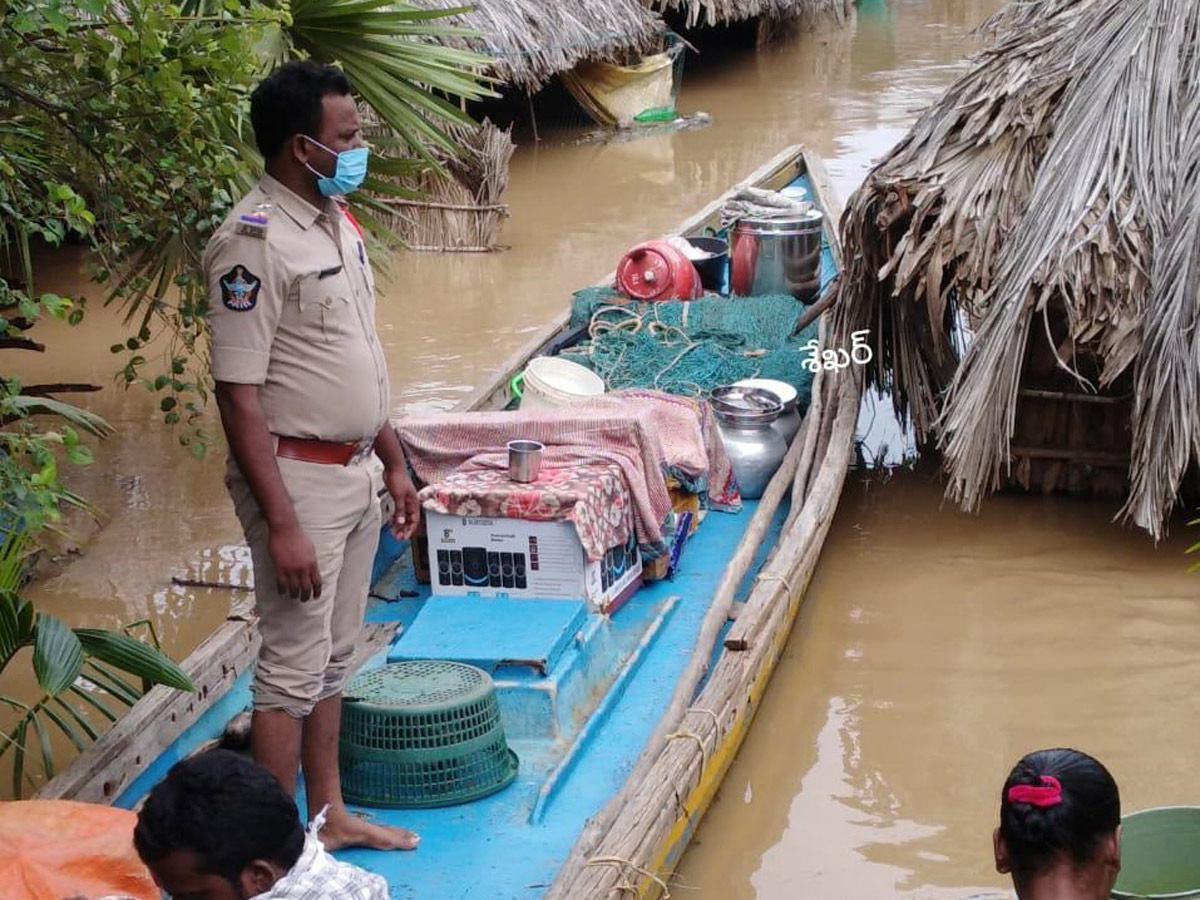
x,y
362,451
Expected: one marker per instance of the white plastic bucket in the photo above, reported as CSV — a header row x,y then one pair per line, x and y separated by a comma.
x,y
551,382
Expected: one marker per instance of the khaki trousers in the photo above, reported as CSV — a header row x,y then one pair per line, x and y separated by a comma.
x,y
307,647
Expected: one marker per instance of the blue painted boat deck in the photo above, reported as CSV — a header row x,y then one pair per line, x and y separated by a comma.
x,y
580,694
490,848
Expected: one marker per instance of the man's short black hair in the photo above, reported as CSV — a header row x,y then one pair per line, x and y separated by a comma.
x,y
288,102
226,809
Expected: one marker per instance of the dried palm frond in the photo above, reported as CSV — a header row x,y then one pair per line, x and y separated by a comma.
x,y
463,209
533,40
1056,181
722,12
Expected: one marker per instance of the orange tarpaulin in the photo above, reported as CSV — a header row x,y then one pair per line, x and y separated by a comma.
x,y
53,849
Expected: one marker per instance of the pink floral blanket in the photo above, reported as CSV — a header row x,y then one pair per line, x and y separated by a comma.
x,y
644,435
592,496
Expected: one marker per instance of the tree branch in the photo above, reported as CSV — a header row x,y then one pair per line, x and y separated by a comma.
x,y
21,343
62,387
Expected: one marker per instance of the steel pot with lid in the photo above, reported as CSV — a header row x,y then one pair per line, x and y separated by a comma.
x,y
788,423
746,417
777,256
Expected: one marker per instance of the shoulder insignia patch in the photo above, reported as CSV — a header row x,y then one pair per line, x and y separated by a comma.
x,y
254,223
239,289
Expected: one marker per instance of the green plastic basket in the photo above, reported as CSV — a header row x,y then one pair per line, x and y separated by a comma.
x,y
1158,854
422,733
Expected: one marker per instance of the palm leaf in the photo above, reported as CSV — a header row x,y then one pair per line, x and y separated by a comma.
x,y
17,742
43,734
81,418
95,702
57,654
80,720
368,38
11,638
133,656
14,550
111,683
78,740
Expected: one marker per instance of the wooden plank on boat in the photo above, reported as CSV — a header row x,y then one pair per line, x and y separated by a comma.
x,y
827,198
120,754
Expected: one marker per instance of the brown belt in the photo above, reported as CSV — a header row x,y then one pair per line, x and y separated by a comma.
x,y
330,453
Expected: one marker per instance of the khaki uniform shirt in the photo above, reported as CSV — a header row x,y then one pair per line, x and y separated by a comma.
x,y
291,302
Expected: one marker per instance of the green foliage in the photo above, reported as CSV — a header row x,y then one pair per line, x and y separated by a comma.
x,y
124,127
78,672
127,124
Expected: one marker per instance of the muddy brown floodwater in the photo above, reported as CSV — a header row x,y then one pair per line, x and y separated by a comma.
x,y
933,648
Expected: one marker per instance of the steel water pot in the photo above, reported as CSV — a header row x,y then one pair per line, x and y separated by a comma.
x,y
777,256
746,418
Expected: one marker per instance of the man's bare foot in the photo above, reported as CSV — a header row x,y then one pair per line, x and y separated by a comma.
x,y
344,830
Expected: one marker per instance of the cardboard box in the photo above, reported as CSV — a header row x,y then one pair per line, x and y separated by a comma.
x,y
489,557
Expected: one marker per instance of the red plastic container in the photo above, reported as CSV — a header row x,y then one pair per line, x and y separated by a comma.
x,y
656,270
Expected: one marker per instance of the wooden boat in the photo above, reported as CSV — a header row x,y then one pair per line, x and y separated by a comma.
x,y
610,795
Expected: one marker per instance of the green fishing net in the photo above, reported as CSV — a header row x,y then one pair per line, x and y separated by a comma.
x,y
691,347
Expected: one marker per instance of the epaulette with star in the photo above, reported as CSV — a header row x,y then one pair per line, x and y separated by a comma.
x,y
254,223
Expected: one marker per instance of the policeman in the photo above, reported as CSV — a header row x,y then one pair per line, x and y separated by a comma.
x,y
302,386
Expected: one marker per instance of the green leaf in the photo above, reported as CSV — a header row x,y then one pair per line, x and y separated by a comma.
x,y
57,654
18,745
10,628
94,702
80,455
43,734
135,657
79,731
111,683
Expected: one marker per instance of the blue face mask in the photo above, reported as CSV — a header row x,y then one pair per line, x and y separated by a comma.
x,y
348,174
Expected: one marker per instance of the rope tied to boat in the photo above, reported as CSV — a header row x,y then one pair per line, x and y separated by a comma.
x,y
691,735
716,720
782,579
624,886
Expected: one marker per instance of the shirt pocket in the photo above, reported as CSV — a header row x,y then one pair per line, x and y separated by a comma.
x,y
326,311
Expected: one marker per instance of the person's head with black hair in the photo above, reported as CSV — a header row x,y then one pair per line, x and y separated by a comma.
x,y
305,120
1060,827
218,827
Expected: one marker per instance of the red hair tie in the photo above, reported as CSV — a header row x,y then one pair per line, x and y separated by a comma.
x,y
1049,794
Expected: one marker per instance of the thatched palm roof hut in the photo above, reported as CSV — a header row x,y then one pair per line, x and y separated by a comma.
x,y
1051,201
723,12
533,40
